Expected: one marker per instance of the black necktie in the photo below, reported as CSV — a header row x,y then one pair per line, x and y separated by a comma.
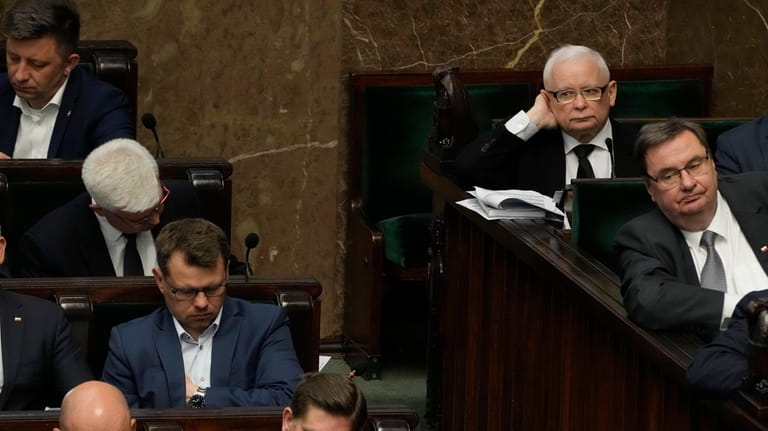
x,y
131,259
585,168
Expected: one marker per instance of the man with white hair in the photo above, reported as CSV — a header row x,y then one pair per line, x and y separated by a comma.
x,y
566,134
108,230
95,406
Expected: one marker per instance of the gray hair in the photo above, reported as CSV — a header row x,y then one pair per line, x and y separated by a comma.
x,y
121,175
573,52
33,19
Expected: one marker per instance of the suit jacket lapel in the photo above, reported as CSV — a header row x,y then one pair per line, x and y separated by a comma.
x,y
224,343
93,247
12,336
9,119
167,345
68,101
752,218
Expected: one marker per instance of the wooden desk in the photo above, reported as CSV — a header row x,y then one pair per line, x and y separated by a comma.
x,y
532,335
381,418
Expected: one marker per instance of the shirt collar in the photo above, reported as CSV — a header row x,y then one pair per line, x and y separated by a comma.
x,y
718,225
598,141
209,331
109,231
55,101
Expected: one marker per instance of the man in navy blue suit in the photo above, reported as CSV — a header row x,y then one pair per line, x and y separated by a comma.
x,y
202,349
50,108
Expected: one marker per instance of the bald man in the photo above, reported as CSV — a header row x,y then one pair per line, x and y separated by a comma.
x,y
95,406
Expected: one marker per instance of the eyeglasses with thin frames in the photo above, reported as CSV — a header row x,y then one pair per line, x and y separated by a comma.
x,y
189,293
669,179
589,93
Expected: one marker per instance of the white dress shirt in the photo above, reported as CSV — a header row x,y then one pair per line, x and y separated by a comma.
x,y
600,158
115,241
36,126
197,353
743,272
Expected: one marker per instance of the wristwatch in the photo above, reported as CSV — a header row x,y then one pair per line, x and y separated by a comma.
x,y
197,400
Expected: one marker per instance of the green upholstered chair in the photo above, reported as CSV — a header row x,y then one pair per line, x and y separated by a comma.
x,y
600,208
390,209
661,98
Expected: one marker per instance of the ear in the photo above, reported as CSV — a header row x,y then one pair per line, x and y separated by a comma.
x,y
2,249
133,424
612,90
648,189
287,419
70,63
158,276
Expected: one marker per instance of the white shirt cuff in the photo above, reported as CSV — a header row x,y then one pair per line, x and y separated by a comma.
x,y
521,126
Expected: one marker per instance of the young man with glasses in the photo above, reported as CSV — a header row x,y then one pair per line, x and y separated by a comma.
x,y
203,349
109,230
686,264
566,134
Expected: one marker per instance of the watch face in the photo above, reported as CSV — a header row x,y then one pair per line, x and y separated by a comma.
x,y
197,401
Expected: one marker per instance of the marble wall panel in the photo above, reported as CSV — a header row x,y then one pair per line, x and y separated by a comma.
x,y
262,83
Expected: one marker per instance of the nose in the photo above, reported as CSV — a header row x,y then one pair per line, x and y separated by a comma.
x,y
580,101
201,301
22,72
687,181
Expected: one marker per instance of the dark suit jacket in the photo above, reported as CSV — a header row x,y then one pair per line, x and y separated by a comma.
x,y
68,241
92,112
41,361
743,148
659,281
721,366
501,160
252,364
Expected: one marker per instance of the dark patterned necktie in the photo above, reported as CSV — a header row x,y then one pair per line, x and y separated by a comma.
x,y
713,273
131,259
585,168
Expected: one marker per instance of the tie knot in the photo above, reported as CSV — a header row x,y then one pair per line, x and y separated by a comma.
x,y
584,150
708,239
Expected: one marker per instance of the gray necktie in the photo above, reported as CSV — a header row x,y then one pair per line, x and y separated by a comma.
x,y
713,273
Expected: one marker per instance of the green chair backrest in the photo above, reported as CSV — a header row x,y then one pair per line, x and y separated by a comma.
x,y
600,209
398,123
660,98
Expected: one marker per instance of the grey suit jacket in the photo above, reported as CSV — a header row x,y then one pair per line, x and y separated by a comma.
x,y
659,281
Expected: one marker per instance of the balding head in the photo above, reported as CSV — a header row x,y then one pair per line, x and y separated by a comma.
x,y
95,406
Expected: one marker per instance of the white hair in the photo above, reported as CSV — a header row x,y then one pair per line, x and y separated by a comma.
x,y
121,175
573,52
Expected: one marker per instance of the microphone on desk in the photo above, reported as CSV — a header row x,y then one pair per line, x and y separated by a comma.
x,y
149,122
251,241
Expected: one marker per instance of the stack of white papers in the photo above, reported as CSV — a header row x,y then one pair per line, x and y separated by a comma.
x,y
511,204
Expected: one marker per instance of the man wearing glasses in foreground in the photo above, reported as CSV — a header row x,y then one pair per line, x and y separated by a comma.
x,y
565,135
203,349
686,264
108,230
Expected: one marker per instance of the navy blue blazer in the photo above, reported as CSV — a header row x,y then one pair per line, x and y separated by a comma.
x,y
41,361
743,148
722,366
68,241
253,362
92,112
659,281
500,160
